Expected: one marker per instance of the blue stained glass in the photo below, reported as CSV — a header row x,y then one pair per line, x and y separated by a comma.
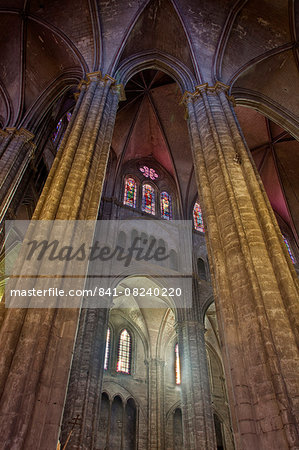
x,y
197,218
289,249
166,210
130,192
56,132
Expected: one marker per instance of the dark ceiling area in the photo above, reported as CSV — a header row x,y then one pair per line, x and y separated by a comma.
x,y
47,46
250,45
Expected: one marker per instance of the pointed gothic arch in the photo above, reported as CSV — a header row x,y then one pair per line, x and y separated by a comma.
x,y
158,60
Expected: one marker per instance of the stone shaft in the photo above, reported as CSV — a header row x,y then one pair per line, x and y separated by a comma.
x,y
198,423
16,151
85,384
155,410
255,284
38,344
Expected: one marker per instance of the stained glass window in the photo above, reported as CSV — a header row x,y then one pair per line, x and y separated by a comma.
x,y
289,249
148,172
124,353
166,209
130,192
177,365
61,124
197,218
148,199
56,132
107,350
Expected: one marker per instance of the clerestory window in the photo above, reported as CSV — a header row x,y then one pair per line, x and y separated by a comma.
x,y
124,352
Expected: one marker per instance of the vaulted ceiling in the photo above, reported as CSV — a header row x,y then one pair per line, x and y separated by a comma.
x,y
276,155
46,46
151,124
249,43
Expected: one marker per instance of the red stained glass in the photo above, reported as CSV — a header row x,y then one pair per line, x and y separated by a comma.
x,y
166,210
130,192
107,350
197,218
148,199
149,172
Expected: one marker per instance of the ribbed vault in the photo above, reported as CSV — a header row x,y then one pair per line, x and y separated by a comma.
x,y
150,124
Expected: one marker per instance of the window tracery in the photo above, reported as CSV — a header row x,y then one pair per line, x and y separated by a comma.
x,y
151,199
148,172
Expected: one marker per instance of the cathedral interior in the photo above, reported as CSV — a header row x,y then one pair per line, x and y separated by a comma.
x,y
155,110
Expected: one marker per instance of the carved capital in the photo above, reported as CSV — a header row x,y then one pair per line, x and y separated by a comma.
x,y
3,133
120,90
9,130
231,99
32,151
27,135
92,76
204,89
97,76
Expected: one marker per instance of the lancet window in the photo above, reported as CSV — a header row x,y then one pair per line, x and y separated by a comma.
x,y
289,249
124,352
177,365
130,192
197,218
166,207
107,349
148,199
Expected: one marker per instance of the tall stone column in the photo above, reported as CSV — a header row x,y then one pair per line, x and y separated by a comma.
x,y
16,151
37,344
197,413
85,385
155,403
255,285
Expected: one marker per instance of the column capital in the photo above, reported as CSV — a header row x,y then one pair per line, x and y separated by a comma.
x,y
156,361
205,88
8,130
97,76
28,136
3,133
